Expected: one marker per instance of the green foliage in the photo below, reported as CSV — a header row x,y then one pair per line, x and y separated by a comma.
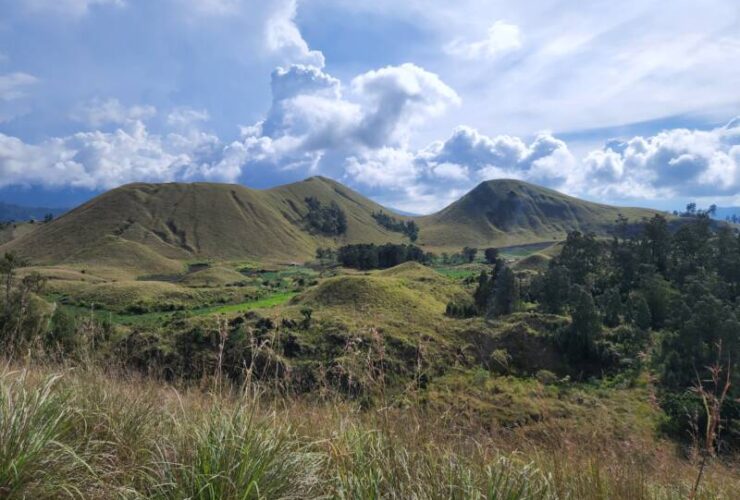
x,y
639,311
34,424
505,298
409,228
371,256
612,307
581,255
461,310
22,320
373,465
579,340
491,255
306,312
555,289
230,455
62,335
329,220
469,253
483,292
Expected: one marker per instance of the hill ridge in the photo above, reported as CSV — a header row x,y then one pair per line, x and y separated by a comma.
x,y
214,221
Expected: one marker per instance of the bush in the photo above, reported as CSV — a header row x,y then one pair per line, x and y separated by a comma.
x,y
233,455
34,424
546,377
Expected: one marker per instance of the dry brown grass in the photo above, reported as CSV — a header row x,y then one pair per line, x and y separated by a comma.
x,y
128,436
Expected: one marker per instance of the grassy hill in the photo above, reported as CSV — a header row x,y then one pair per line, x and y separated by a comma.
x,y
157,228
154,227
12,230
408,297
511,212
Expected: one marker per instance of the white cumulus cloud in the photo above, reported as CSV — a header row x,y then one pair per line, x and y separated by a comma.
x,y
502,38
98,159
677,162
282,35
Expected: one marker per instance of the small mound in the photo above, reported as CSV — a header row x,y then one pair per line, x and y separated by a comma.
x,y
535,262
414,271
128,255
62,274
119,295
372,294
213,277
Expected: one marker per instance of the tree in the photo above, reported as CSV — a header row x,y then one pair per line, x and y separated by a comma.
x,y
612,307
640,312
469,253
555,289
656,242
581,255
505,292
8,266
580,339
491,255
482,294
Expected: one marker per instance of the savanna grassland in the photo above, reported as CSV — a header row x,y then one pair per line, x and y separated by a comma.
x,y
308,345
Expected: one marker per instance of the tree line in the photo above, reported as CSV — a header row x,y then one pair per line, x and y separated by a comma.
x,y
669,297
408,228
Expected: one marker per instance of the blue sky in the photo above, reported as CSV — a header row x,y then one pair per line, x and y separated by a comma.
x,y
412,103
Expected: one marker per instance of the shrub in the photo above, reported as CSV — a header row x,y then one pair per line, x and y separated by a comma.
x,y
34,424
233,455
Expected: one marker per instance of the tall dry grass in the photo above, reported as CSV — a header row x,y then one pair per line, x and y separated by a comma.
x,y
89,433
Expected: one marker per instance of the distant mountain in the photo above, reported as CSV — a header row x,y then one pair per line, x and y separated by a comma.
x,y
10,212
511,212
154,228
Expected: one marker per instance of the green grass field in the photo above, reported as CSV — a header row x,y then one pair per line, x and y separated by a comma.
x,y
158,318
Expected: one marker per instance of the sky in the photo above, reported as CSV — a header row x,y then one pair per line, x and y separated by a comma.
x,y
411,103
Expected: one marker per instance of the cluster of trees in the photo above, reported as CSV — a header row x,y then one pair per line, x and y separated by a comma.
x,y
497,292
390,254
371,256
468,255
328,219
693,211
675,294
409,228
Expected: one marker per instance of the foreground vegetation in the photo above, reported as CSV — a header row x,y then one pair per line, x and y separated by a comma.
x,y
79,432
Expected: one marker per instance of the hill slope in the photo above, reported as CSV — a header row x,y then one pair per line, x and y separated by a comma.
x,y
176,222
154,228
510,212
